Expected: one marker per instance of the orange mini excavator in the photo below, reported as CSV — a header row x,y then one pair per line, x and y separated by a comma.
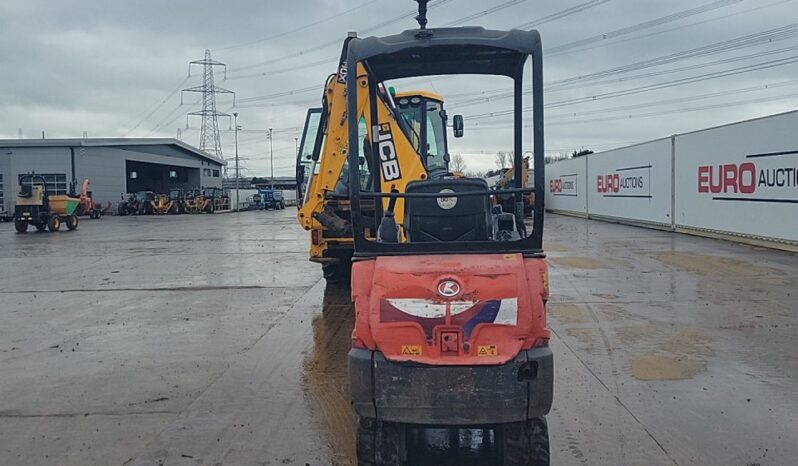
x,y
450,293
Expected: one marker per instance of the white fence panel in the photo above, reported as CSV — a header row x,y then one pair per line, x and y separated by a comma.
x,y
565,186
740,178
632,183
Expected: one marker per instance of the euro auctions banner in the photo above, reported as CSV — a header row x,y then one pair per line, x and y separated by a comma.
x,y
740,178
566,185
632,183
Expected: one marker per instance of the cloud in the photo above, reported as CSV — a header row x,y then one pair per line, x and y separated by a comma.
x,y
104,67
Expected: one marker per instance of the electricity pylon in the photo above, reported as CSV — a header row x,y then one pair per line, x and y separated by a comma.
x,y
209,132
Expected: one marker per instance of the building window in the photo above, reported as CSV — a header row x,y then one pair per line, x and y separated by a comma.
x,y
215,174
2,198
206,171
56,183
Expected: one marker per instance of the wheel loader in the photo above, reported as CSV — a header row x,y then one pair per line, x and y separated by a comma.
x,y
178,198
162,204
322,171
449,290
196,202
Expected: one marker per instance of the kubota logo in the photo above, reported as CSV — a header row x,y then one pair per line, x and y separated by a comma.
x,y
448,288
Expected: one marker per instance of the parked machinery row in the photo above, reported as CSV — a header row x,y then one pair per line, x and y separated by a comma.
x,y
177,201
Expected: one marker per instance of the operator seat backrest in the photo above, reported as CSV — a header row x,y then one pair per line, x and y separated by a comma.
x,y
468,219
25,190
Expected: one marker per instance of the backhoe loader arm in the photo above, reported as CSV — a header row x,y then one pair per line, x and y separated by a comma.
x,y
400,163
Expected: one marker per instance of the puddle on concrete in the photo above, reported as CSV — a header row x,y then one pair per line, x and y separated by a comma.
x,y
660,367
585,335
568,313
689,341
578,262
716,265
553,246
611,312
682,356
571,313
631,336
326,374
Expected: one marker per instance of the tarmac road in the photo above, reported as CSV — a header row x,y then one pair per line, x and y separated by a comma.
x,y
210,339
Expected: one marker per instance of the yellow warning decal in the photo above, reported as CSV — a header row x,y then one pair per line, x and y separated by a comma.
x,y
487,350
411,350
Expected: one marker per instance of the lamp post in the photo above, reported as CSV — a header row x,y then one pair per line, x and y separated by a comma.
x,y
271,157
296,147
235,116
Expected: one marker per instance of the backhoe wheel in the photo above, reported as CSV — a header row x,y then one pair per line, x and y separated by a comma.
x,y
72,222
41,227
54,224
380,443
21,226
525,443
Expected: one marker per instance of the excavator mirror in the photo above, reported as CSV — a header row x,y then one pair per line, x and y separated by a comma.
x,y
457,126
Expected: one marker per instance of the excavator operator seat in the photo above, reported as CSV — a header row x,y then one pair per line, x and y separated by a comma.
x,y
455,218
26,190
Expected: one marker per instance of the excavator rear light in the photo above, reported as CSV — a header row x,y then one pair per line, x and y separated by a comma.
x,y
315,237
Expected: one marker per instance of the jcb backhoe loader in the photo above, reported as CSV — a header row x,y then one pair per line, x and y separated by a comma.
x,y
416,118
450,316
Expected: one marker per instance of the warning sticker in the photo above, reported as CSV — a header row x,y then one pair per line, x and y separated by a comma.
x,y
411,350
487,350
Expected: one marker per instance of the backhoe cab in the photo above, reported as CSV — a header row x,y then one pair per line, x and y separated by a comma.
x,y
450,295
416,121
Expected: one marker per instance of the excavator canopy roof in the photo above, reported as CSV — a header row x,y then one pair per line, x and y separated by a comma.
x,y
463,50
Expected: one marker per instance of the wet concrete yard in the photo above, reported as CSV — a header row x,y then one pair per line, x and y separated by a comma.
x,y
212,340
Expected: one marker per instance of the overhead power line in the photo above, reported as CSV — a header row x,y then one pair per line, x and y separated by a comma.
x,y
562,14
677,110
676,100
645,25
403,16
160,104
764,37
295,30
280,94
679,82
648,88
759,38
482,13
548,52
681,69
289,69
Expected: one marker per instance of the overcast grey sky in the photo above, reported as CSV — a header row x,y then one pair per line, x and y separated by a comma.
x,y
619,71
